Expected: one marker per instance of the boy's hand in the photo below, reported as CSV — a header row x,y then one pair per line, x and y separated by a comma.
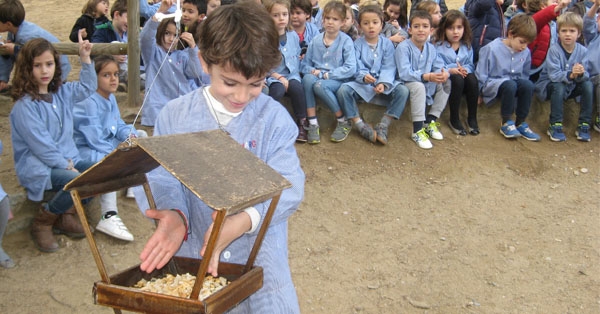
x,y
380,88
315,72
3,85
84,33
165,5
561,5
395,24
8,48
189,39
369,79
85,48
577,70
397,38
164,242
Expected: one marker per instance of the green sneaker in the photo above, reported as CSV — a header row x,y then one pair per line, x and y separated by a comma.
x,y
313,135
341,131
433,130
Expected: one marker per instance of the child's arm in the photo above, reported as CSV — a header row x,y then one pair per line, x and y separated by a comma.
x,y
79,24
88,81
590,25
387,73
87,120
306,65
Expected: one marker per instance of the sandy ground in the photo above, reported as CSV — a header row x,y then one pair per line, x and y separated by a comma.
x,y
475,225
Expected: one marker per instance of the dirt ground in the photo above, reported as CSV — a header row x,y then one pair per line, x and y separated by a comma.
x,y
478,224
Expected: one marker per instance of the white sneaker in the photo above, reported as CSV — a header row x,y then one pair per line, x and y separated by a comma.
x,y
130,193
422,139
434,131
114,227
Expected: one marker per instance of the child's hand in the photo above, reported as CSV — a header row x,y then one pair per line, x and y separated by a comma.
x,y
395,23
164,242
397,38
315,72
369,79
233,227
577,70
285,82
561,5
8,48
84,33
189,39
380,88
165,5
3,85
85,48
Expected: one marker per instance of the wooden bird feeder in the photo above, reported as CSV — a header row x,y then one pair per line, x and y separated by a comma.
x,y
219,171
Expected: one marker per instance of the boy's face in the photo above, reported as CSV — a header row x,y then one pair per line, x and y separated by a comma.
x,y
212,5
43,70
568,35
370,24
120,22
420,29
231,88
5,27
332,22
108,79
516,43
189,14
298,17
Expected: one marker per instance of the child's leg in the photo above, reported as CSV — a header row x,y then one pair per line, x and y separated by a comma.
x,y
506,93
277,90
111,223
584,89
394,110
456,92
471,93
298,98
313,133
556,94
325,90
5,260
347,99
596,81
418,98
524,97
442,91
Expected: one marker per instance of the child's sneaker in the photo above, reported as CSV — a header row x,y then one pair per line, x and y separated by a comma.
x,y
555,131
114,227
597,124
509,130
422,139
341,131
583,132
381,130
367,132
527,133
313,135
433,130
130,193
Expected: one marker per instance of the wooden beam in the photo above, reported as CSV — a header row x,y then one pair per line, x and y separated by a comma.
x,y
97,49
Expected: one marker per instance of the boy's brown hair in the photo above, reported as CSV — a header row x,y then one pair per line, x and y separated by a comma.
x,y
23,82
119,6
12,11
569,19
303,5
421,15
532,6
370,8
522,25
241,37
335,6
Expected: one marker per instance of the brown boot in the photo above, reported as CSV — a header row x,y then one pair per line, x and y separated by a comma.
x,y
41,231
68,223
302,136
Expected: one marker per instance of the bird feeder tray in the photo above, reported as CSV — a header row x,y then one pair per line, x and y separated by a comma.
x,y
220,172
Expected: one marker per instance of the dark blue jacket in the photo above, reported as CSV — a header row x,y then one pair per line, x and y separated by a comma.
x,y
487,23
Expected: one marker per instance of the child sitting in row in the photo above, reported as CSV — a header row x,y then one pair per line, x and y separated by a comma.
x,y
306,31
12,20
565,76
285,78
433,9
41,122
375,79
169,70
93,13
422,71
591,33
396,20
349,27
503,72
329,61
98,130
453,43
115,31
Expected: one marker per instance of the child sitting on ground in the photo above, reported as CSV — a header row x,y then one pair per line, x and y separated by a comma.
x,y
169,67
348,27
306,31
285,78
422,71
565,76
115,31
93,13
375,80
453,43
330,61
41,124
396,20
12,20
433,9
98,129
238,48
503,72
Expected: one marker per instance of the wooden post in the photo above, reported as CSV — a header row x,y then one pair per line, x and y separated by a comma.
x,y
134,98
